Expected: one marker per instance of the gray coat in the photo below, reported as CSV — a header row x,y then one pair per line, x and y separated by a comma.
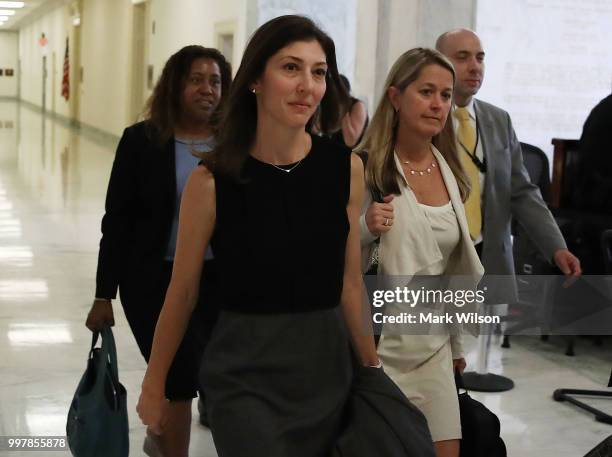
x,y
508,193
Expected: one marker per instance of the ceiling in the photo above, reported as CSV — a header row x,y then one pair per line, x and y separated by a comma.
x,y
30,7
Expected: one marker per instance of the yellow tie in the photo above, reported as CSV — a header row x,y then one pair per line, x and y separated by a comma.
x,y
466,136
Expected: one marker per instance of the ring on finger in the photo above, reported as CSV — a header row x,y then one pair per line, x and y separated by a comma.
x,y
386,221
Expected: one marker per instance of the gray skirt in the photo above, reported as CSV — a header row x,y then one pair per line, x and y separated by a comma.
x,y
276,385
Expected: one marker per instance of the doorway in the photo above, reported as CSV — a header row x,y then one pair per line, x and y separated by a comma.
x,y
224,38
44,84
138,61
76,71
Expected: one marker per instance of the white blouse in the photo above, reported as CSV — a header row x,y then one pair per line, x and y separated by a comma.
x,y
445,228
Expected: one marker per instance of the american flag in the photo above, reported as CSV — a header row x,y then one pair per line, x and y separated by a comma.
x,y
66,77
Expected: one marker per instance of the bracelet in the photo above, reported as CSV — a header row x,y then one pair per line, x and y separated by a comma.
x,y
378,365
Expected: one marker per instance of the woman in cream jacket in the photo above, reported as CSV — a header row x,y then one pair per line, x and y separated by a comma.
x,y
413,165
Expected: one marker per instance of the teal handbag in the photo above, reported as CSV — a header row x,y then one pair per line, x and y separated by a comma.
x,y
97,423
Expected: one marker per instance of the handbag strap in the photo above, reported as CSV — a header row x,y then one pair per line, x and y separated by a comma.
x,y
459,381
110,351
94,340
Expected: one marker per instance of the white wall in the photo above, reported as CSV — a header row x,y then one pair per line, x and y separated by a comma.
x,y
369,36
551,67
56,27
439,16
9,42
363,82
388,28
337,18
193,22
105,52
548,61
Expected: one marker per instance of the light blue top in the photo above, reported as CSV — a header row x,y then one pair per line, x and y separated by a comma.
x,y
185,162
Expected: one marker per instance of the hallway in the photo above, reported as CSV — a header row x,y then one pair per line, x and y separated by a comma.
x,y
53,180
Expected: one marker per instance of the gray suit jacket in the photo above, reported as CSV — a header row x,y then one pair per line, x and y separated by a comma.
x,y
508,193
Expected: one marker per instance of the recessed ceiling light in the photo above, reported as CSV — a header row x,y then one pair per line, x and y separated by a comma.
x,y
12,4
7,12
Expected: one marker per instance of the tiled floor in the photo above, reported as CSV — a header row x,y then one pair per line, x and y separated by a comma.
x,y
52,185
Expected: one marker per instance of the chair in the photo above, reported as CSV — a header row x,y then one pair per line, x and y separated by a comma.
x,y
567,167
527,258
568,394
581,229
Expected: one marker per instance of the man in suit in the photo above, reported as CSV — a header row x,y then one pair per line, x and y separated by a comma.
x,y
501,189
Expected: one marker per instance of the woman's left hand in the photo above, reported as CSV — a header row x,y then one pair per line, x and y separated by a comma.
x,y
153,409
459,364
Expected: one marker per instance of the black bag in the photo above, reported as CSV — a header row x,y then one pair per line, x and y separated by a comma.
x,y
603,449
97,423
479,427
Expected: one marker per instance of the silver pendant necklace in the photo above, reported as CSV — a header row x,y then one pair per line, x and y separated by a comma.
x,y
287,170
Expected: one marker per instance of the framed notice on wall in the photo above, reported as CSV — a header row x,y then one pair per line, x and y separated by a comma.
x,y
1,72
8,72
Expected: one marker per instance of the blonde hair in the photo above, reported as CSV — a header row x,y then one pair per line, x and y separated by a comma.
x,y
378,142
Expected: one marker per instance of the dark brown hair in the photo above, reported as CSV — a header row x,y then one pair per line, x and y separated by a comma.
x,y
163,109
239,121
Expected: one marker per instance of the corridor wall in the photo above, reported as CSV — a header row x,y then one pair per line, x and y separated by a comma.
x,y
370,35
9,42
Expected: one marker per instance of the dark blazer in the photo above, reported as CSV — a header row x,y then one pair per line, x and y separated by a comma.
x,y
140,205
380,420
594,190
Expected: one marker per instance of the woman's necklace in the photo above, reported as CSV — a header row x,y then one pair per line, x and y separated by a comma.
x,y
426,171
287,170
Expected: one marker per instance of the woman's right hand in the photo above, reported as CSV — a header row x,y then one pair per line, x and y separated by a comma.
x,y
152,408
100,315
379,216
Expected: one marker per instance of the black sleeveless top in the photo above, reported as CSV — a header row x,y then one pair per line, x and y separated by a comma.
x,y
280,238
339,138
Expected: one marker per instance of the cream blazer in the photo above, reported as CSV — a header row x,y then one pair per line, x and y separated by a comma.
x,y
410,246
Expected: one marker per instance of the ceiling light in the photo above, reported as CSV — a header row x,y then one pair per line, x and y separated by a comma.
x,y
7,12
12,4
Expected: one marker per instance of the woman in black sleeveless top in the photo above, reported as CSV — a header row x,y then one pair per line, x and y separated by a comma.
x,y
354,120
281,209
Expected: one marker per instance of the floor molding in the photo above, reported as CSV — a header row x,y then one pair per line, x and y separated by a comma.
x,y
90,132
